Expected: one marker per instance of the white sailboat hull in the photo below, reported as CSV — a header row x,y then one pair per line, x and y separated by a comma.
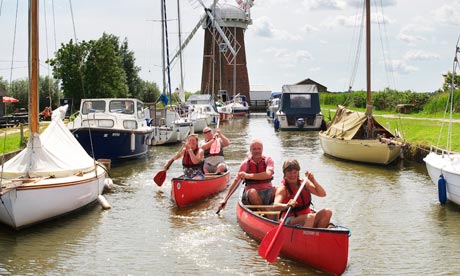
x,y
366,151
449,167
34,202
168,135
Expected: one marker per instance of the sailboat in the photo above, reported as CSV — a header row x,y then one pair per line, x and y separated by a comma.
x,y
53,175
169,126
442,164
357,136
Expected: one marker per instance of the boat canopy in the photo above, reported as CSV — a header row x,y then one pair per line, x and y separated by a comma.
x,y
54,153
347,123
300,100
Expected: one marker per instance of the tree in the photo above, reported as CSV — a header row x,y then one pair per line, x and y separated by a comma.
x,y
448,81
48,93
131,70
105,76
69,66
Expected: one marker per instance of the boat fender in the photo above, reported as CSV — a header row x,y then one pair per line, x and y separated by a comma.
x,y
105,205
276,124
178,135
442,191
108,184
133,141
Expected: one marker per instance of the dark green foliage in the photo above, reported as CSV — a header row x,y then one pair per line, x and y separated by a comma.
x,y
382,100
103,68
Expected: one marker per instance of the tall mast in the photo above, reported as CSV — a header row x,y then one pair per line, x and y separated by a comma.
x,y
33,66
181,88
368,52
163,66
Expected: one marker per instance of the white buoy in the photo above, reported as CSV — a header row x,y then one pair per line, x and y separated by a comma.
x,y
133,141
105,205
108,184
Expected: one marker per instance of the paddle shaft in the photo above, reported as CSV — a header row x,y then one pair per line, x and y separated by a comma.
x,y
230,193
271,243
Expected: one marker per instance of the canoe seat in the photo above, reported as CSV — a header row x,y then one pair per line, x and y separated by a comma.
x,y
267,212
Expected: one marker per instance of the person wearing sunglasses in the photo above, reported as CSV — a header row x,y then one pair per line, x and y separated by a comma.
x,y
213,151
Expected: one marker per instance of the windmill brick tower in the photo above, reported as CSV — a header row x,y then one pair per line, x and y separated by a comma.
x,y
225,72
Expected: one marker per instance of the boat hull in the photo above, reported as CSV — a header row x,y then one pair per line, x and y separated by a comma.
x,y
313,122
449,167
168,135
45,199
366,151
323,248
111,143
188,191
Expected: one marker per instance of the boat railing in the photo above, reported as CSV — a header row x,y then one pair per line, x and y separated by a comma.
x,y
442,151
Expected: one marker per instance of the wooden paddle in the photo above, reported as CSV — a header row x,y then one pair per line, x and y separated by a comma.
x,y
230,193
160,177
271,245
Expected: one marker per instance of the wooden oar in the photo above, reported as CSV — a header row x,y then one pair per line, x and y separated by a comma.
x,y
160,177
271,245
230,193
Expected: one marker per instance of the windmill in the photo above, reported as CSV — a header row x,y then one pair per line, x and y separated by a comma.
x,y
224,55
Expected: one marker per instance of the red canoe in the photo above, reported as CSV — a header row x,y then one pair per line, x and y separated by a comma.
x,y
187,191
323,248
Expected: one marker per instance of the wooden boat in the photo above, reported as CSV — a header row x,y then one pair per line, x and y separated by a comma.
x,y
443,164
188,191
356,136
323,248
299,109
112,128
53,175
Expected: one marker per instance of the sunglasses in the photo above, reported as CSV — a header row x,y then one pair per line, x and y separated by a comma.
x,y
206,132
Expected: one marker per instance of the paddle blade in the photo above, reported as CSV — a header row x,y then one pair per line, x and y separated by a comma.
x,y
160,177
270,246
215,147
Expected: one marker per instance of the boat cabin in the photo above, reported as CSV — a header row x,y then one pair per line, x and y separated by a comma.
x,y
299,108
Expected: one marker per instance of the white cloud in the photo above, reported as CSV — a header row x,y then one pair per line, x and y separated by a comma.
x,y
263,27
324,4
420,55
401,66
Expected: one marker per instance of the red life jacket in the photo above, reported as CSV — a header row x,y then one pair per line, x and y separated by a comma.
x,y
187,160
252,167
303,201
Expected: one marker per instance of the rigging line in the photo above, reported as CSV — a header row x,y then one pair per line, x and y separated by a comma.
x,y
357,36
1,6
167,50
14,42
76,42
47,51
382,35
358,48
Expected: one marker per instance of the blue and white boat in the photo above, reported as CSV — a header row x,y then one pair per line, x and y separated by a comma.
x,y
299,109
112,128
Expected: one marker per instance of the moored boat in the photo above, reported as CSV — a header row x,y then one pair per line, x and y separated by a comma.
x,y
53,175
112,128
357,136
323,248
188,191
443,164
299,108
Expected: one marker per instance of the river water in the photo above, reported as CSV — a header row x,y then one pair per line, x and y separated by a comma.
x,y
398,227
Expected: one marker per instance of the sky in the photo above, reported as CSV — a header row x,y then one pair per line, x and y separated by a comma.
x,y
413,42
